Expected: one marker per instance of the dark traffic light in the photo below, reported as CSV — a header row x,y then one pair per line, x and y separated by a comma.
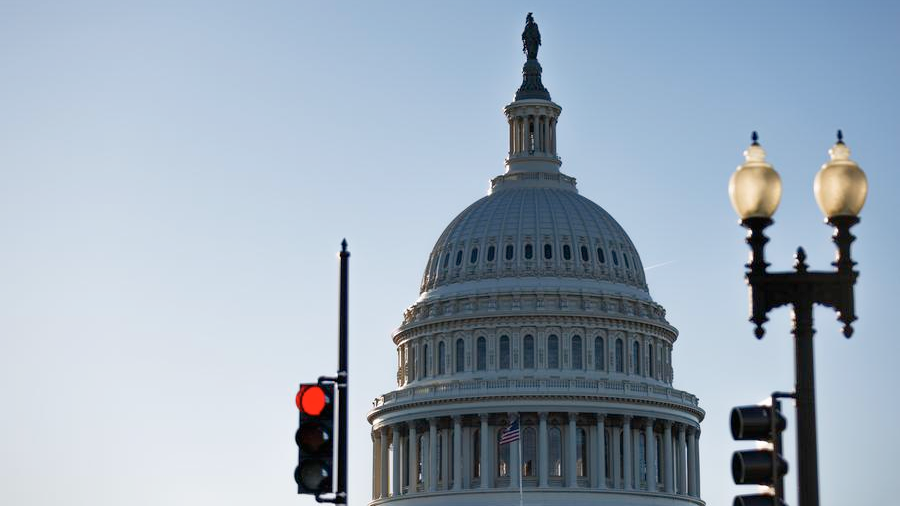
x,y
315,439
759,467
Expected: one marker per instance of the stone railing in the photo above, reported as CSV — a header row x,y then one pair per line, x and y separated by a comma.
x,y
489,387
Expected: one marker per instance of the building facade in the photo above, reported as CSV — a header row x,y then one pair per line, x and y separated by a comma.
x,y
534,308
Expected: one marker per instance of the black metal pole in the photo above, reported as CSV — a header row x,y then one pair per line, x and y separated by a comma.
x,y
805,389
343,390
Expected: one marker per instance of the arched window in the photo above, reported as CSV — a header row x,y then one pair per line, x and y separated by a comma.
x,y
584,254
460,355
651,368
529,452
441,353
446,260
474,256
553,352
555,451
567,252
509,251
599,354
625,257
481,354
548,251
504,352
620,356
636,357
600,256
529,252
425,360
615,258
502,456
581,455
577,358
528,349
476,454
491,252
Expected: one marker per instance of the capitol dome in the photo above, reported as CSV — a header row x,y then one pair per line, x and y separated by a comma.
x,y
535,367
542,230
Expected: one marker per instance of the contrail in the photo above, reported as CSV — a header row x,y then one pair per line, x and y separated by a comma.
x,y
659,265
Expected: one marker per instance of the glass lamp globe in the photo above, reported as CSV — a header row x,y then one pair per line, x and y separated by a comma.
x,y
755,187
840,186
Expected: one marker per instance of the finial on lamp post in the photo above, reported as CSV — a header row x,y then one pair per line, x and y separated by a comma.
x,y
840,137
755,138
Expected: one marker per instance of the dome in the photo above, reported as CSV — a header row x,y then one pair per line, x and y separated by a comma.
x,y
534,324
523,231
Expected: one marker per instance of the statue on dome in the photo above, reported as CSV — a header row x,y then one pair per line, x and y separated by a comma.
x,y
531,38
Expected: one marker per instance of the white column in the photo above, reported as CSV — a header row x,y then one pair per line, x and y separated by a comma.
x,y
542,120
680,488
457,453
636,448
445,458
432,455
601,452
413,458
692,464
485,449
511,138
697,461
396,478
616,462
628,464
650,454
384,463
543,456
553,136
569,470
376,469
514,458
668,476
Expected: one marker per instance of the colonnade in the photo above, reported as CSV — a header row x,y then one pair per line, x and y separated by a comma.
x,y
532,134
570,450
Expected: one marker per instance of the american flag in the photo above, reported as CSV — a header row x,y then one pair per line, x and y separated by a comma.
x,y
510,434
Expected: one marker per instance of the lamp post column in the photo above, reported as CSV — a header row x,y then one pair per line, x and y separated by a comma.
x,y
804,374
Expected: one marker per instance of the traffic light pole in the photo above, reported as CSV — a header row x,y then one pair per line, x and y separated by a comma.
x,y
343,390
802,289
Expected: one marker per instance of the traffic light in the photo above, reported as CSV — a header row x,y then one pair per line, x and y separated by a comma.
x,y
315,439
759,467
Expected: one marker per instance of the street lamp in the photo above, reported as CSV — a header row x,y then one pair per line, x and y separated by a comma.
x,y
840,188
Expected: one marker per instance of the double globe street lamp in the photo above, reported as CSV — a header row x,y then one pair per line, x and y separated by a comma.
x,y
840,189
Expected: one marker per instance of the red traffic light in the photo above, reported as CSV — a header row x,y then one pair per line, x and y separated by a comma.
x,y
312,400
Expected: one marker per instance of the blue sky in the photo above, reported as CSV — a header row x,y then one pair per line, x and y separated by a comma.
x,y
176,178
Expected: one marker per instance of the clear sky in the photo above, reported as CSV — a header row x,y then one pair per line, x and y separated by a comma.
x,y
176,178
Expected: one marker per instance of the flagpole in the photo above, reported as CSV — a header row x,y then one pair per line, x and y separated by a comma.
x,y
521,464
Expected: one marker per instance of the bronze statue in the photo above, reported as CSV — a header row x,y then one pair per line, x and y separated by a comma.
x,y
531,38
